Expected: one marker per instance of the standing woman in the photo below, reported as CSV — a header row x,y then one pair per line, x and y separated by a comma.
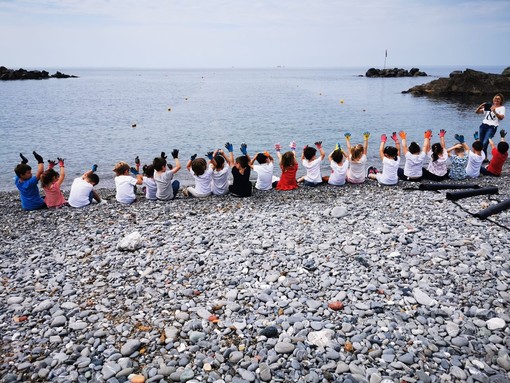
x,y
494,113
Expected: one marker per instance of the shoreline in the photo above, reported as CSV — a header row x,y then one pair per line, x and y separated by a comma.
x,y
229,289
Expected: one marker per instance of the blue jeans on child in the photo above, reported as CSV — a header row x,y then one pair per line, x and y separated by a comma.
x,y
175,187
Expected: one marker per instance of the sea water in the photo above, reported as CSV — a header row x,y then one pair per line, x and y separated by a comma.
x,y
111,115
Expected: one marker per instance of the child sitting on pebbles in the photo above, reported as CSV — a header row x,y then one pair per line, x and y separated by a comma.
x,y
390,159
264,169
125,184
476,156
51,181
414,157
499,156
357,157
289,167
437,170
338,167
312,164
27,183
458,159
82,190
220,164
166,189
241,187
202,175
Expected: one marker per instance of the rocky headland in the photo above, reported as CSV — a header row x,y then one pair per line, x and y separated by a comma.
x,y
394,72
359,283
465,83
23,74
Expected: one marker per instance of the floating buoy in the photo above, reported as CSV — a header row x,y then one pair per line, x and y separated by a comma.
x,y
133,125
320,93
341,101
169,109
186,98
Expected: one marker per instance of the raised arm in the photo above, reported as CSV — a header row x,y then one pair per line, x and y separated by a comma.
x,y
381,146
40,165
62,172
403,136
175,155
442,133
366,136
278,149
426,141
480,108
348,141
318,144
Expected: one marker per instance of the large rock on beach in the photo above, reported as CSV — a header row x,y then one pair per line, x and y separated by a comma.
x,y
130,242
468,82
23,74
395,72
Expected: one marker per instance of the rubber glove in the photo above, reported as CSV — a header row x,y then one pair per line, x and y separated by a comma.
x,y
175,153
442,132
133,171
229,147
428,134
402,134
366,135
460,138
475,135
292,145
24,160
60,162
394,137
347,136
277,147
502,133
193,157
137,160
318,144
94,168
209,155
51,164
38,157
383,137
244,149
163,155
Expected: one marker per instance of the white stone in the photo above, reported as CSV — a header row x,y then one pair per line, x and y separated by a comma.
x,y
422,298
496,324
130,242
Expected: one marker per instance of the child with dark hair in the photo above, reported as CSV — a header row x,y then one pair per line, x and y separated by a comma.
x,y
357,156
338,167
414,156
499,156
27,183
202,175
241,187
390,159
220,164
437,169
264,169
312,164
166,188
125,184
148,182
458,159
288,166
82,190
51,182
476,156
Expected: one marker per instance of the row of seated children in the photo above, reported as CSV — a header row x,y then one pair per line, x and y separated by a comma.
x,y
82,190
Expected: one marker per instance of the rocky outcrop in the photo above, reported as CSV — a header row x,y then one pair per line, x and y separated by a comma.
x,y
23,74
465,83
395,72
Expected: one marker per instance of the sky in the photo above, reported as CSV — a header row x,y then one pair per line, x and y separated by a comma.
x,y
251,34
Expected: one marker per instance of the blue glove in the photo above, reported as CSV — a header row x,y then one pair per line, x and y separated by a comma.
x,y
347,135
133,171
24,160
94,168
460,138
193,157
229,147
475,135
244,149
209,155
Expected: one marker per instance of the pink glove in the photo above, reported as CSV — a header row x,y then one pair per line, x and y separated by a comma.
x,y
292,145
277,147
51,164
383,137
442,132
394,136
318,144
60,162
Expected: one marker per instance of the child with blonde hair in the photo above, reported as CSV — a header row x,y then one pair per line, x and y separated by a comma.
x,y
51,181
125,184
357,157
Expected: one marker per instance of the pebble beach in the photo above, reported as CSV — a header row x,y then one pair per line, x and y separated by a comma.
x,y
359,283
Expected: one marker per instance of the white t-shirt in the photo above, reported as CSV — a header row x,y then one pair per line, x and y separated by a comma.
x,y
491,119
264,176
356,171
414,164
439,167
150,188
313,170
80,193
203,182
474,163
220,181
338,173
125,189
389,172
164,185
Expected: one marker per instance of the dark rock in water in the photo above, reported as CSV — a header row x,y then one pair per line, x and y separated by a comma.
x,y
468,82
506,72
23,74
395,72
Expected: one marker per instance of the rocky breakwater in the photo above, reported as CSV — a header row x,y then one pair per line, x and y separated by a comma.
x,y
465,83
395,72
23,74
359,283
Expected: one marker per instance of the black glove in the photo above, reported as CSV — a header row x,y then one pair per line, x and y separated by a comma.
x,y
24,160
502,133
175,153
193,157
137,160
163,155
38,157
51,164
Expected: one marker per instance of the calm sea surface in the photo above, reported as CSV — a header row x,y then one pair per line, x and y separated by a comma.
x,y
89,119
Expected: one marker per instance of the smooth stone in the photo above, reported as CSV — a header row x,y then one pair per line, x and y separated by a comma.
x,y
130,242
496,324
460,341
339,212
110,369
422,298
58,321
186,375
130,347
265,372
270,332
284,347
321,338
